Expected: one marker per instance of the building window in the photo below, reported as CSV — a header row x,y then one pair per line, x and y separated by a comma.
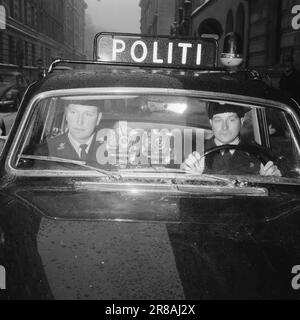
x,y
26,53
11,50
1,48
274,38
33,55
240,21
48,56
42,56
210,26
32,16
25,12
229,22
21,4
20,53
11,8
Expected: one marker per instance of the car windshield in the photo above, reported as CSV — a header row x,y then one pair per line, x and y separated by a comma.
x,y
155,133
7,78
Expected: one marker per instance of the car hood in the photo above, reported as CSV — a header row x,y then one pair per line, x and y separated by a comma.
x,y
150,245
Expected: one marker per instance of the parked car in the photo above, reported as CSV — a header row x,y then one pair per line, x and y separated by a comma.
x,y
61,68
132,224
12,89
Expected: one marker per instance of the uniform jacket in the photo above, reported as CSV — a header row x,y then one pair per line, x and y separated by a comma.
x,y
61,147
238,163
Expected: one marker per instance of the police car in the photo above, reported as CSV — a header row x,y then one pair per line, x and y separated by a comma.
x,y
121,218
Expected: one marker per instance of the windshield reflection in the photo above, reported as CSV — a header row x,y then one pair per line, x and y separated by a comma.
x,y
158,134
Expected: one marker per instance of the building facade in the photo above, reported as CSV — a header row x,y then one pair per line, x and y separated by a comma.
x,y
157,16
214,17
38,31
265,26
271,34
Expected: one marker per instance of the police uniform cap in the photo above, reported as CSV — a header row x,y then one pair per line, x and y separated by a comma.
x,y
84,103
216,108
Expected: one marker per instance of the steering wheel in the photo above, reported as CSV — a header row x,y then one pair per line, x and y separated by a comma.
x,y
257,151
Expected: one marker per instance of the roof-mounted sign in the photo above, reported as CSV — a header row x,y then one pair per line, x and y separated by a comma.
x,y
132,49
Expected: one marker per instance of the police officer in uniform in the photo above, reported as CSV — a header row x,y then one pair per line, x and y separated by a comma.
x,y
79,142
226,122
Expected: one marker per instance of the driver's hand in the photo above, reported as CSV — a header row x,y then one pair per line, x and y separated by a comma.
x,y
269,170
193,163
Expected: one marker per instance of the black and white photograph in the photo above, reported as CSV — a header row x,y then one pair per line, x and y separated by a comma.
x,y
150,151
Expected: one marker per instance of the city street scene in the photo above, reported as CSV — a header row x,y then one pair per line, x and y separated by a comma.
x,y
150,150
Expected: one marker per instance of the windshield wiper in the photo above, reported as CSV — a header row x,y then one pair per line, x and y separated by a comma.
x,y
180,171
68,161
118,176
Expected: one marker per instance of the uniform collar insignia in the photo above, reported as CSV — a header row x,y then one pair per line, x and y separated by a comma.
x,y
61,146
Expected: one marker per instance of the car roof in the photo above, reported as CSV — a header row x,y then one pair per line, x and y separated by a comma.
x,y
221,81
